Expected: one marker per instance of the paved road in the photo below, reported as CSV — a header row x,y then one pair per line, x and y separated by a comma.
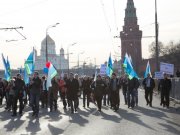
x,y
143,120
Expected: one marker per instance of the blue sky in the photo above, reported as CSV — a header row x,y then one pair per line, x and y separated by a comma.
x,y
90,23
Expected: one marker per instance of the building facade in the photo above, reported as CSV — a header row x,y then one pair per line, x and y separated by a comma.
x,y
131,36
58,60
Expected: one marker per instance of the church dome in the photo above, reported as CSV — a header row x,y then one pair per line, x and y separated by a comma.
x,y
61,50
50,41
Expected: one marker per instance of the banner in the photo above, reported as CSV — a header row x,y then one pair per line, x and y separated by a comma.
x,y
158,75
167,68
103,69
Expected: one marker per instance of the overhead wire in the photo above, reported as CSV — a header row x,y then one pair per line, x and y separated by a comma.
x,y
107,22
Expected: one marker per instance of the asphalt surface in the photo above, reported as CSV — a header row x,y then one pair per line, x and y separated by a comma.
x,y
142,120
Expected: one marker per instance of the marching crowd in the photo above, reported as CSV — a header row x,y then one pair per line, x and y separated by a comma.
x,y
102,90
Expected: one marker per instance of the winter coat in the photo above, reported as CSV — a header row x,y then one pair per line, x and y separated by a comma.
x,y
152,84
86,86
72,89
133,84
53,90
36,85
99,86
165,85
19,87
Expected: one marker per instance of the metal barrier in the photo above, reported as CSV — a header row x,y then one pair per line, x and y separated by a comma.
x,y
175,91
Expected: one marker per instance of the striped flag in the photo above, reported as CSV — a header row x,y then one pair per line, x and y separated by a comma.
x,y
7,68
30,63
148,70
129,68
109,69
52,72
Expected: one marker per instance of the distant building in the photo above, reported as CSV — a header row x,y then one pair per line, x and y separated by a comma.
x,y
58,60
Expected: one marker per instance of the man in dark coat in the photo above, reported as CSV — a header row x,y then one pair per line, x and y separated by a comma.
x,y
149,85
72,91
165,85
86,90
133,85
124,84
35,88
18,95
99,86
114,89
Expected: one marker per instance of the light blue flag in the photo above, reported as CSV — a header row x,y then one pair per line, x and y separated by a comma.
x,y
148,70
129,68
109,69
29,63
7,74
8,69
26,77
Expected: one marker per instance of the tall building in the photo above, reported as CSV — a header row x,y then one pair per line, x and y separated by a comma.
x,y
131,36
58,60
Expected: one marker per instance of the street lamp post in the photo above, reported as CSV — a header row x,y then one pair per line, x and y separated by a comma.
x,y
50,26
156,33
78,59
68,54
84,65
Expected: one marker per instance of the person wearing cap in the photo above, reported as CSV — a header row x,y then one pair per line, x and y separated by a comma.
x,y
149,85
165,90
72,91
114,89
19,86
35,88
99,86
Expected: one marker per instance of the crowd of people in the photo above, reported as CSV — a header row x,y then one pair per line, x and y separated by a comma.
x,y
99,90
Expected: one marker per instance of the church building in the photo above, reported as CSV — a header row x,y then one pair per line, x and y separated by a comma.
x,y
58,60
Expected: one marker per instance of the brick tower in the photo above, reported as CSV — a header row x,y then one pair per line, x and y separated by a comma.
x,y
131,36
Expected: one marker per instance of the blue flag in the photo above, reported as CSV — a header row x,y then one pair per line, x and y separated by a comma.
x,y
26,77
29,63
148,70
129,68
7,68
109,69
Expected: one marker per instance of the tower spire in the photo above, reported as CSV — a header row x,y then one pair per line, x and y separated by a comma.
x,y
131,36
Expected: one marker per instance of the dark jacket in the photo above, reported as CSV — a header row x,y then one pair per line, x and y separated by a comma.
x,y
86,86
117,85
133,84
72,88
19,87
124,83
54,89
152,84
99,86
36,85
165,85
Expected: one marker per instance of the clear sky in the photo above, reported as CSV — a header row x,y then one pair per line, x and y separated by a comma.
x,y
91,23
